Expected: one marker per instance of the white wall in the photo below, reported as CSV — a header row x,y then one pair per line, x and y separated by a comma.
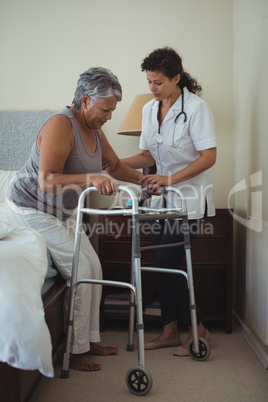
x,y
45,45
251,168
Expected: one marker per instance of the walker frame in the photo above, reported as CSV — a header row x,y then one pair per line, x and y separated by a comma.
x,y
138,379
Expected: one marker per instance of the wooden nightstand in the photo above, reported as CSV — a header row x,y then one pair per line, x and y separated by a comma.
x,y
212,257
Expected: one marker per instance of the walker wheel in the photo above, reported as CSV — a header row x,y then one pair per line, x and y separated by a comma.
x,y
204,350
139,380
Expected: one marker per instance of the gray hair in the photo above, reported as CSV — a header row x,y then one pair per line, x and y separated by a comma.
x,y
97,83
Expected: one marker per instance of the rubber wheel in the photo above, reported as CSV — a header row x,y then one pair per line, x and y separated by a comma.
x,y
204,350
139,380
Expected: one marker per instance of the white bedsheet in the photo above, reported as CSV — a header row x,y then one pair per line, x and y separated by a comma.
x,y
25,341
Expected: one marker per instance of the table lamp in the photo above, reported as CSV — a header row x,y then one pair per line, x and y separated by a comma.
x,y
131,124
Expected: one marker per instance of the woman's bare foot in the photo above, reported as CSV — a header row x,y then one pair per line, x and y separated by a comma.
x,y
83,363
96,349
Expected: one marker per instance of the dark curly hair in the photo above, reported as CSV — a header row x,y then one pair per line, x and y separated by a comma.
x,y
169,63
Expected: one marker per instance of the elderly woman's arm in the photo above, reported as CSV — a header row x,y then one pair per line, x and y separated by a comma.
x,y
55,142
115,167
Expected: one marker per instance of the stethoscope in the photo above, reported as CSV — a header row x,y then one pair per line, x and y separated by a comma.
x,y
159,138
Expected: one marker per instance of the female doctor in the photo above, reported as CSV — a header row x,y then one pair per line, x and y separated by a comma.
x,y
178,135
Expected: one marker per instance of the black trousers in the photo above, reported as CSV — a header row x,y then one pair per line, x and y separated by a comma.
x,y
173,289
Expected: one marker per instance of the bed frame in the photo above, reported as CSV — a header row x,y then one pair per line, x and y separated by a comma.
x,y
18,131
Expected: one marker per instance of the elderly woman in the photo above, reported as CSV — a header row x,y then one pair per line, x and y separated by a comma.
x,y
66,158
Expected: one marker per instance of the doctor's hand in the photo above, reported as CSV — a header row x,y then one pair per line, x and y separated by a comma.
x,y
153,181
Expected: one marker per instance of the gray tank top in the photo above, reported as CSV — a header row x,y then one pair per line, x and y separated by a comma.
x,y
25,190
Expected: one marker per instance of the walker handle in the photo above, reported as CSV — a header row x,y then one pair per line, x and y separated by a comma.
x,y
164,190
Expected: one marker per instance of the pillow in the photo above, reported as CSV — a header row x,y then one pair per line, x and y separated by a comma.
x,y
6,176
25,341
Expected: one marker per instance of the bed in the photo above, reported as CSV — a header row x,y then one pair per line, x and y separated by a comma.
x,y
31,289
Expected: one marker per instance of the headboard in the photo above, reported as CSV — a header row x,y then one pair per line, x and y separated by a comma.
x,y
18,130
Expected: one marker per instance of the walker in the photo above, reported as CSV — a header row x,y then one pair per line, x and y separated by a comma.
x,y
138,379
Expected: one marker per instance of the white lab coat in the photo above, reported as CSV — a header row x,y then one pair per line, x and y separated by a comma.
x,y
197,134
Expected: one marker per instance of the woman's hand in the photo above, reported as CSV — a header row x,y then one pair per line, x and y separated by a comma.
x,y
153,181
206,160
105,185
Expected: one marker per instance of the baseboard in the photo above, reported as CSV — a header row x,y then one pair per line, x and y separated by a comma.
x,y
253,341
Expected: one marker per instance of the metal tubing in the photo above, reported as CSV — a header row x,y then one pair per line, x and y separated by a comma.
x,y
69,327
176,213
69,324
95,211
136,261
163,246
130,344
192,299
135,285
156,217
165,271
139,326
107,283
74,282
181,196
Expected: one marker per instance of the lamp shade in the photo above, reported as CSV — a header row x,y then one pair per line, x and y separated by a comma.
x,y
132,122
